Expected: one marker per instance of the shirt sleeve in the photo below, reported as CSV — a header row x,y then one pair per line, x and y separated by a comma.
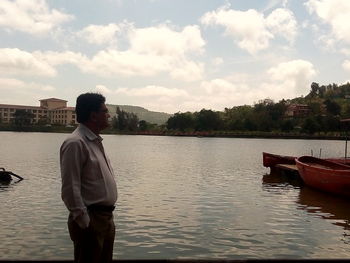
x,y
72,157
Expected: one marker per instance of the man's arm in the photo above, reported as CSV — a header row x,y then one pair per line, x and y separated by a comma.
x,y
71,161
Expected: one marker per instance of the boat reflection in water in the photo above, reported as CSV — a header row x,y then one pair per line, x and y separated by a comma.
x,y
326,206
4,185
332,208
278,180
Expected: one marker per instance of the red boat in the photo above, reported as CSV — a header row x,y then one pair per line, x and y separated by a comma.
x,y
324,175
271,160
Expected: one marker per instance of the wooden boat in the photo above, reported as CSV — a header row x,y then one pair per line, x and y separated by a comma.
x,y
271,160
324,175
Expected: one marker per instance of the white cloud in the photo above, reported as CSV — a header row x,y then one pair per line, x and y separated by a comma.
x,y
346,65
250,29
187,70
285,80
165,41
334,12
102,89
327,42
345,51
17,62
58,58
111,62
17,85
152,51
100,34
282,21
238,89
30,16
219,87
289,79
273,3
217,61
246,27
9,83
152,91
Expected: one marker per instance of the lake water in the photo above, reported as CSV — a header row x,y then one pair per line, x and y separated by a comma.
x,y
179,197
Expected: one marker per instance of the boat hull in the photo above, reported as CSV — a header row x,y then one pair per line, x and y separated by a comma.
x,y
271,160
324,175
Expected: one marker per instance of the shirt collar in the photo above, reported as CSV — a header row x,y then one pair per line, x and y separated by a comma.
x,y
88,133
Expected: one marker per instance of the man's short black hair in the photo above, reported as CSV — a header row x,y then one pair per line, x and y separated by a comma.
x,y
87,103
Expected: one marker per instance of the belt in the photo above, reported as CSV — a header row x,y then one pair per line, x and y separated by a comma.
x,y
101,208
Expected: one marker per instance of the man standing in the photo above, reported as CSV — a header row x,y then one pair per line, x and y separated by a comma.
x,y
89,190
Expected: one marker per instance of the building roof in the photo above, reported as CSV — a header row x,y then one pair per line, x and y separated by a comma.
x,y
53,99
21,107
64,108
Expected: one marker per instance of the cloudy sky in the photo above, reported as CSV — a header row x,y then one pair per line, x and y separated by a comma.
x,y
171,55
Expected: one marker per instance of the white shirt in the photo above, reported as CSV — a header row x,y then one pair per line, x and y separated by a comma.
x,y
87,174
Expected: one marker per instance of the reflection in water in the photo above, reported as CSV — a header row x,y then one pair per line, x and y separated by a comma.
x,y
279,180
322,205
327,206
5,185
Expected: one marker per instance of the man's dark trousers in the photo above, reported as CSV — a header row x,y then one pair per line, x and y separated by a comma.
x,y
95,243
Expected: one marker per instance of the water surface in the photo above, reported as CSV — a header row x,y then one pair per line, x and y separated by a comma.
x,y
178,198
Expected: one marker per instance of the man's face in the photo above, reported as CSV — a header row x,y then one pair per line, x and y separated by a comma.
x,y
102,117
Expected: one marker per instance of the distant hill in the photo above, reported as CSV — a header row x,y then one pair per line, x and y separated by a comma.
x,y
142,113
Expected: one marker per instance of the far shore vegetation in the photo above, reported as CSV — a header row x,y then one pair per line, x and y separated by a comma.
x,y
320,115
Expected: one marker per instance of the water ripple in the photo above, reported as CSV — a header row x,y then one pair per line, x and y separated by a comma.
x,y
179,198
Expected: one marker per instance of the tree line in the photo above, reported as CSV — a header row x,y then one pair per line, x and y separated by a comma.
x,y
326,105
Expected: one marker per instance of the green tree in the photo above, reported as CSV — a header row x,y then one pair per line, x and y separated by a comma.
x,y
331,123
121,121
125,120
310,125
314,89
316,107
332,107
234,118
287,125
133,121
143,125
181,121
347,111
23,118
207,120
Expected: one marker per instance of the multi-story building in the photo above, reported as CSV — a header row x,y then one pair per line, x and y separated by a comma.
x,y
297,110
50,111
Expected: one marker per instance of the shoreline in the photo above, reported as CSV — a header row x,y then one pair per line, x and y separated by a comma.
x,y
198,134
